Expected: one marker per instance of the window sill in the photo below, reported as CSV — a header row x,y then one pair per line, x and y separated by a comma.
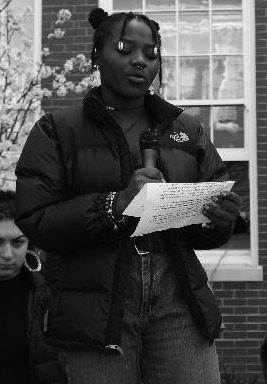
x,y
234,265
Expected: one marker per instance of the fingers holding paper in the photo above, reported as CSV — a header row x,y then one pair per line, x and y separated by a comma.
x,y
223,209
140,177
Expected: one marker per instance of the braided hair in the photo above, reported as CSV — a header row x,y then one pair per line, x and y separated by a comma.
x,y
102,23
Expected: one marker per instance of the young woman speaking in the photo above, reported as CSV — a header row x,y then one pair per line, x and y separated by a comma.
x,y
124,310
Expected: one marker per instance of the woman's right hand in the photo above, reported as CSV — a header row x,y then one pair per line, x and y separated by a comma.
x,y
139,179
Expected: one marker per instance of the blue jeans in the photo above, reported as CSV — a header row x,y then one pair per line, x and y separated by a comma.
x,y
160,341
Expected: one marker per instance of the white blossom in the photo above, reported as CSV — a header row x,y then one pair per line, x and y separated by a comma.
x,y
6,121
70,85
64,15
68,66
61,91
59,33
79,89
60,78
46,71
37,92
4,66
51,36
81,57
46,51
46,92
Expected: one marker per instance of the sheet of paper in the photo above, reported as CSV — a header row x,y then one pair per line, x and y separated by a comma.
x,y
137,205
172,205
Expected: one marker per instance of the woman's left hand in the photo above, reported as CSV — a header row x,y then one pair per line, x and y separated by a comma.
x,y
223,209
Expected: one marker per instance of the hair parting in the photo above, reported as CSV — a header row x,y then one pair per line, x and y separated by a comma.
x,y
128,17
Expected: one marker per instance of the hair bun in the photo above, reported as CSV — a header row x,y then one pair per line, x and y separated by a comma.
x,y
96,17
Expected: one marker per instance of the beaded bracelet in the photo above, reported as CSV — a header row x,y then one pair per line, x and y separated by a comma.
x,y
110,199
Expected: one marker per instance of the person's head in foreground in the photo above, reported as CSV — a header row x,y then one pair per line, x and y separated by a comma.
x,y
13,244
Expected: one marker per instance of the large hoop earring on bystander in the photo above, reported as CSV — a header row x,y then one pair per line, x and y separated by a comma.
x,y
37,261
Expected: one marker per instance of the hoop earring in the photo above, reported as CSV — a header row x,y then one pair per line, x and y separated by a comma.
x,y
151,89
91,76
95,77
37,260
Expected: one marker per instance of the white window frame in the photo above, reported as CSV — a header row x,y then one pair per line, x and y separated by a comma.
x,y
237,265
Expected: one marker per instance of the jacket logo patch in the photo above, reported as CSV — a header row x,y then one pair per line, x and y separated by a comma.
x,y
179,137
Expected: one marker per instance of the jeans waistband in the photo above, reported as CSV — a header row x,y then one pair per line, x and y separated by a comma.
x,y
149,243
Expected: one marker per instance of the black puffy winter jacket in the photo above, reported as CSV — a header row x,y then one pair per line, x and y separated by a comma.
x,y
71,161
44,364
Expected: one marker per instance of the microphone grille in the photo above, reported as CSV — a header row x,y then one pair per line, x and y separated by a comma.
x,y
148,139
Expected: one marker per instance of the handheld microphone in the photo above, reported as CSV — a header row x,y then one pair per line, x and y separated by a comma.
x,y
149,146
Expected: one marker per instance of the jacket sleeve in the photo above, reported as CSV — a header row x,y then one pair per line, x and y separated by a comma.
x,y
45,212
210,168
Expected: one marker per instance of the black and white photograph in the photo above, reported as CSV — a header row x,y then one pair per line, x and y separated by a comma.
x,y
133,191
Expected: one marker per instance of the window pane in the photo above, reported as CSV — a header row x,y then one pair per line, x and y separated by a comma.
x,y
229,126
22,40
168,31
193,4
19,7
238,171
202,114
127,5
159,4
193,32
227,77
169,79
227,32
227,3
194,77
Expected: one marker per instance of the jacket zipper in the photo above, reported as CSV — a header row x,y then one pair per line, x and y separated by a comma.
x,y
45,322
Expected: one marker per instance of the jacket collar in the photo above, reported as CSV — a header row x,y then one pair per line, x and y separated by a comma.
x,y
160,112
158,109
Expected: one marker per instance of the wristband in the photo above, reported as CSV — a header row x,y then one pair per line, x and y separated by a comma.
x,y
109,208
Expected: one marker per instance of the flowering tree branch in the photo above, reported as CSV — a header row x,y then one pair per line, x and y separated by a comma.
x,y
21,84
4,4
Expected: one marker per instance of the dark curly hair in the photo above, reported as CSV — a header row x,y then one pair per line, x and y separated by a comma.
x,y
7,205
102,23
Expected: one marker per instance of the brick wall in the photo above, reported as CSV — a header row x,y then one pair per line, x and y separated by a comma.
x,y
243,304
77,39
